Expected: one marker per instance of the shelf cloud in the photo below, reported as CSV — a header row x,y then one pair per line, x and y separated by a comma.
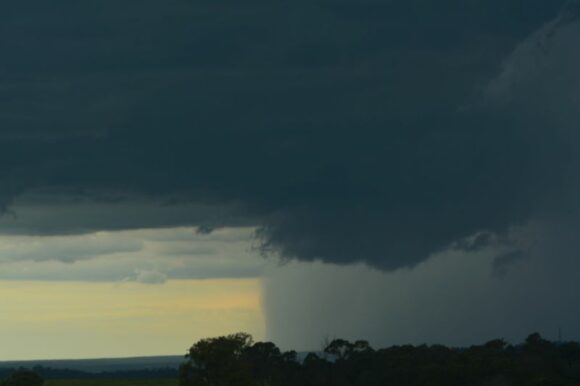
x,y
373,132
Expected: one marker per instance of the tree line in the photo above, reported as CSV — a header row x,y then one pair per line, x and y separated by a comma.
x,y
235,360
36,375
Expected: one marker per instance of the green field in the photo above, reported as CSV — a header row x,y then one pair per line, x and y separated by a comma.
x,y
112,382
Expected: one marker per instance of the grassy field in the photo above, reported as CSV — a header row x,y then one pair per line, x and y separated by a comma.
x,y
112,382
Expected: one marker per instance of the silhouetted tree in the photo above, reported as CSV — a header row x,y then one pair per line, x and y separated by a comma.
x,y
234,360
216,362
264,361
339,348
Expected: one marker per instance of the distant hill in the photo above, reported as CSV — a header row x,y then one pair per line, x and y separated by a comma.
x,y
109,365
102,364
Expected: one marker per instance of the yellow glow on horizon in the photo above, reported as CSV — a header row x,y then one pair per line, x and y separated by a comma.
x,y
47,320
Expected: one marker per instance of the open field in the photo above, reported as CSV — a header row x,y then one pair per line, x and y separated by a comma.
x,y
112,382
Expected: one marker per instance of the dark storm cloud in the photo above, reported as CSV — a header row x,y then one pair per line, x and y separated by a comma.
x,y
347,131
502,262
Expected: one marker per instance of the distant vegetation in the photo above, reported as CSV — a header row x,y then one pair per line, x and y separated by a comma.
x,y
234,360
112,382
42,376
23,377
26,377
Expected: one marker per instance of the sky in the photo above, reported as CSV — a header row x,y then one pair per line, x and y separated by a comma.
x,y
402,171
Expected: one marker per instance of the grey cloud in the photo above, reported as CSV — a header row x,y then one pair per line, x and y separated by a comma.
x,y
502,262
186,249
64,249
454,299
476,242
130,255
343,131
67,213
150,277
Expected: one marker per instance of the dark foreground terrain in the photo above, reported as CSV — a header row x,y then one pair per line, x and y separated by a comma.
x,y
101,365
235,360
112,382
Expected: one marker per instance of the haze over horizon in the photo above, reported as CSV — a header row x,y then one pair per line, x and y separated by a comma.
x,y
402,171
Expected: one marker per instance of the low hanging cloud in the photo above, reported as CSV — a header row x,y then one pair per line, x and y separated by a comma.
x,y
65,249
150,277
148,256
371,132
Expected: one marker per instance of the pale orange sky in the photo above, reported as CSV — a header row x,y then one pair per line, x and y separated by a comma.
x,y
46,320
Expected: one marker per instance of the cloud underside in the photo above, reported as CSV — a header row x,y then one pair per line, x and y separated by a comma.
x,y
148,256
379,133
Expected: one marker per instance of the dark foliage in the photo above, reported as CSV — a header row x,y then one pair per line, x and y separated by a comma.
x,y
23,377
50,373
234,360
